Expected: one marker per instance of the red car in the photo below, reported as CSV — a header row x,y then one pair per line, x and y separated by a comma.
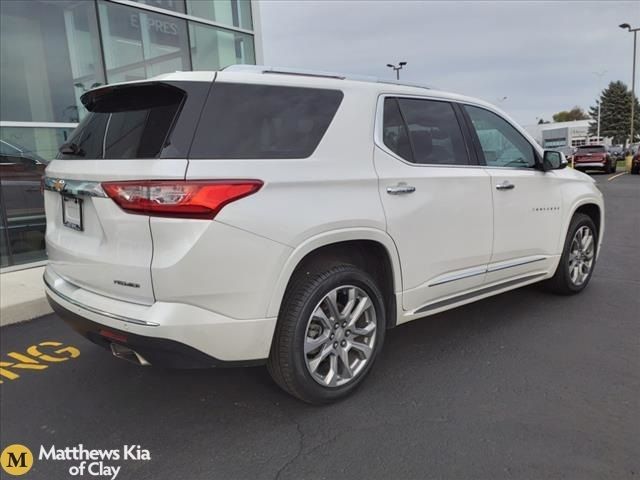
x,y
594,157
635,163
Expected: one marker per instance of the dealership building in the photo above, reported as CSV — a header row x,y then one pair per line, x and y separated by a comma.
x,y
565,134
52,51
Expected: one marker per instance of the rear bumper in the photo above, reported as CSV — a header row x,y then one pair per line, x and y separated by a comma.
x,y
158,352
579,165
165,334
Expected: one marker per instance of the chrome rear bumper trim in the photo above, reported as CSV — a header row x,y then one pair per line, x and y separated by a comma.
x,y
97,310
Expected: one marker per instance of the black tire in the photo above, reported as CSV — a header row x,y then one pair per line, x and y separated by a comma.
x,y
635,170
561,282
607,168
307,288
614,166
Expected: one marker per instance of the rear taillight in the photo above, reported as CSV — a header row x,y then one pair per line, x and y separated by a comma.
x,y
201,199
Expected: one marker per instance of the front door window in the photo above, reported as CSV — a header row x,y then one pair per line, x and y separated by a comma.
x,y
502,144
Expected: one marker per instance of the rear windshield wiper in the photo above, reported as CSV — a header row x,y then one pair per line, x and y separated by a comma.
x,y
71,149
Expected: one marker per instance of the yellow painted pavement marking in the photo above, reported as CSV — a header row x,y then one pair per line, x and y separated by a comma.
x,y
615,176
55,352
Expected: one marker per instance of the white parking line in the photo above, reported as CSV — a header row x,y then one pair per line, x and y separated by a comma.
x,y
615,176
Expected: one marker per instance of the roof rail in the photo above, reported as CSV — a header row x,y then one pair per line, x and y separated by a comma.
x,y
296,71
313,73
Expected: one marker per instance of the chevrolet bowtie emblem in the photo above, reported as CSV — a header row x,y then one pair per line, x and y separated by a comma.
x,y
59,185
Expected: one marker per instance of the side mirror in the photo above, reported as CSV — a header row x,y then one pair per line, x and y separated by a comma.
x,y
553,160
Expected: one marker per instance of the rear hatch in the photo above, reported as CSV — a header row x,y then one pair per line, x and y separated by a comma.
x,y
590,154
133,131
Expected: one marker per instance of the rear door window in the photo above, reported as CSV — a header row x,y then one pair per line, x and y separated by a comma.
x,y
424,131
395,135
244,121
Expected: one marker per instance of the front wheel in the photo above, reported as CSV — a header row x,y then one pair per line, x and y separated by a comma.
x,y
330,329
578,257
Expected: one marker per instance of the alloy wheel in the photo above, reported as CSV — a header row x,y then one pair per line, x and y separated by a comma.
x,y
581,255
340,336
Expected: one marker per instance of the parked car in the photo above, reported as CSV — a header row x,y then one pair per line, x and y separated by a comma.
x,y
635,164
260,215
594,157
617,152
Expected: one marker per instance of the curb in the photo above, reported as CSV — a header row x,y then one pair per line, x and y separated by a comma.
x,y
22,296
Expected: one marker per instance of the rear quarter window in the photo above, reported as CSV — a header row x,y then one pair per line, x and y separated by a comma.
x,y
243,121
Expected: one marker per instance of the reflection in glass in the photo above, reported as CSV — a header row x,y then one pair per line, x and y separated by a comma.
x,y
50,55
214,48
175,5
140,44
4,242
235,13
24,153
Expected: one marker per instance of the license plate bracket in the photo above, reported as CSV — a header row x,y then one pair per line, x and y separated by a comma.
x,y
72,212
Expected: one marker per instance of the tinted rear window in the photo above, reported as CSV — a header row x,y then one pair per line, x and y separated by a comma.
x,y
128,122
592,149
263,121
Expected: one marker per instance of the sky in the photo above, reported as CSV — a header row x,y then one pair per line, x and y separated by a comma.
x,y
540,55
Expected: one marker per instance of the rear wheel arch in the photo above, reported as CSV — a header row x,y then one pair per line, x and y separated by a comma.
x,y
372,251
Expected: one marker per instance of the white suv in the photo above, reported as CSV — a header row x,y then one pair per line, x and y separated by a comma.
x,y
256,215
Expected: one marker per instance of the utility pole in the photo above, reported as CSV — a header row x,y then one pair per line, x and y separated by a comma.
x,y
633,74
599,75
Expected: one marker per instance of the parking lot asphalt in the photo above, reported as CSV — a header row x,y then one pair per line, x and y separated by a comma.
x,y
525,385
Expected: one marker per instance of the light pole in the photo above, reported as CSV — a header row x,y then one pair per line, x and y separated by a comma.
x,y
397,69
599,75
633,73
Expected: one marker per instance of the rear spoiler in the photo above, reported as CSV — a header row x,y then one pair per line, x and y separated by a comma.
x,y
127,96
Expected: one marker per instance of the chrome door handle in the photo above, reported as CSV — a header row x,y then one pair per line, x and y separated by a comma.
x,y
506,185
400,189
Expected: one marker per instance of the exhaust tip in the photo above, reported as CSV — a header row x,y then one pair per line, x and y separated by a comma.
x,y
125,353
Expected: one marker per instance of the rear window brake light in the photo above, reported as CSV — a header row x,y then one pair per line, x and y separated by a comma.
x,y
199,199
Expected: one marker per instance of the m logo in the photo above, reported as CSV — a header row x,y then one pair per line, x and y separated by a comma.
x,y
16,459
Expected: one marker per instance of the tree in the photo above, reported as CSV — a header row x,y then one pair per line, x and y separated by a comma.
x,y
615,114
542,121
576,113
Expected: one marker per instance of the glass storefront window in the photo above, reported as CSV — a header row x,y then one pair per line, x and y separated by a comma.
x,y
214,48
175,5
42,143
4,241
140,44
24,154
49,55
235,13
